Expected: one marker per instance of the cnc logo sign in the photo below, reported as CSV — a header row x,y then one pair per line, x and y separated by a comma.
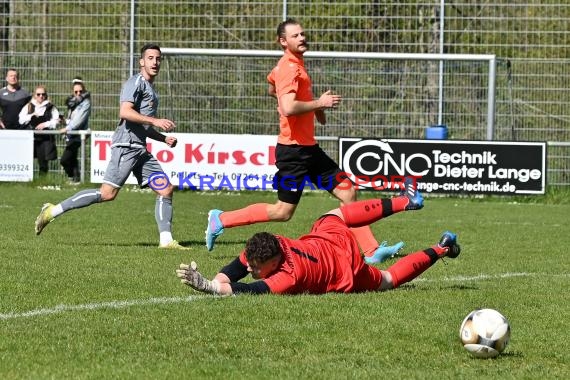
x,y
448,166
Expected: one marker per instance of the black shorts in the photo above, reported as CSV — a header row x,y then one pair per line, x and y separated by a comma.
x,y
300,167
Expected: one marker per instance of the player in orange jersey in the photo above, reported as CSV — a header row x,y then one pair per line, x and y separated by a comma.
x,y
299,159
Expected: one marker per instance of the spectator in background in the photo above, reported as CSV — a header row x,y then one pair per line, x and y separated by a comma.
x,y
12,98
77,118
40,114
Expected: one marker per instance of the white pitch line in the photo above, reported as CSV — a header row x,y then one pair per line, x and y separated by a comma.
x,y
481,277
102,305
171,300
484,277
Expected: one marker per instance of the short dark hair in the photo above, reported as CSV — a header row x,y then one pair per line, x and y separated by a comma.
x,y
281,27
149,46
262,247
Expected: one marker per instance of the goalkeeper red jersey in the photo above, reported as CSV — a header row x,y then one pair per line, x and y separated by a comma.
x,y
326,260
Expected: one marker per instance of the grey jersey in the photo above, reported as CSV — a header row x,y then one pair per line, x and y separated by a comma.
x,y
139,91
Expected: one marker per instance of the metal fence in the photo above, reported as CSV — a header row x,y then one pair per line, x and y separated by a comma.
x,y
52,41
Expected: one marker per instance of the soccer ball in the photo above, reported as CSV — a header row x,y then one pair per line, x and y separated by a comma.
x,y
485,333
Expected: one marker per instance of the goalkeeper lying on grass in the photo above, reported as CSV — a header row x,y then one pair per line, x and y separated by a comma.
x,y
326,260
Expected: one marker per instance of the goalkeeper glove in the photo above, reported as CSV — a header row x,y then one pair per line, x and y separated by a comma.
x,y
190,276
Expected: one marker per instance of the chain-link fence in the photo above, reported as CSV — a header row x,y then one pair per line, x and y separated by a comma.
x,y
50,42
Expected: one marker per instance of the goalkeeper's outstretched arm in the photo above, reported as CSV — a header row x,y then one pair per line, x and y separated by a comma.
x,y
220,285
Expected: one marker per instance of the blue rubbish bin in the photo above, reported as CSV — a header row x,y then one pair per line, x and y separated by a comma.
x,y
436,132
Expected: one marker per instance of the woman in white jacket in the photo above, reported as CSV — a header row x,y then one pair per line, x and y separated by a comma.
x,y
40,114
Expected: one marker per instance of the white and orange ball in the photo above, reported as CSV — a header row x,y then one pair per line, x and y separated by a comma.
x,y
485,333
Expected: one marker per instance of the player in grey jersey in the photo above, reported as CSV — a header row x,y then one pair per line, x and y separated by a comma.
x,y
139,103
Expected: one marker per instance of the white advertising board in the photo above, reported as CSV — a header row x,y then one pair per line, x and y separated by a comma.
x,y
202,161
16,156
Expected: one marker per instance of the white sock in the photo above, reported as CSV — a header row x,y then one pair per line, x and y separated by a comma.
x,y
56,210
165,237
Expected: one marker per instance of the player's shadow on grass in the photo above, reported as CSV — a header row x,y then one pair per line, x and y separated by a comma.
x,y
225,249
511,354
199,246
419,287
462,287
186,243
196,246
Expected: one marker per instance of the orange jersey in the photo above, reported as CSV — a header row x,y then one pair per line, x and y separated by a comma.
x,y
325,260
290,76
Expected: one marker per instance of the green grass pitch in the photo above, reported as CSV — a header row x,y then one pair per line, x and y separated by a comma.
x,y
94,298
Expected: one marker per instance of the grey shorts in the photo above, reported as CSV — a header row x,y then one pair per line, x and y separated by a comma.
x,y
126,160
